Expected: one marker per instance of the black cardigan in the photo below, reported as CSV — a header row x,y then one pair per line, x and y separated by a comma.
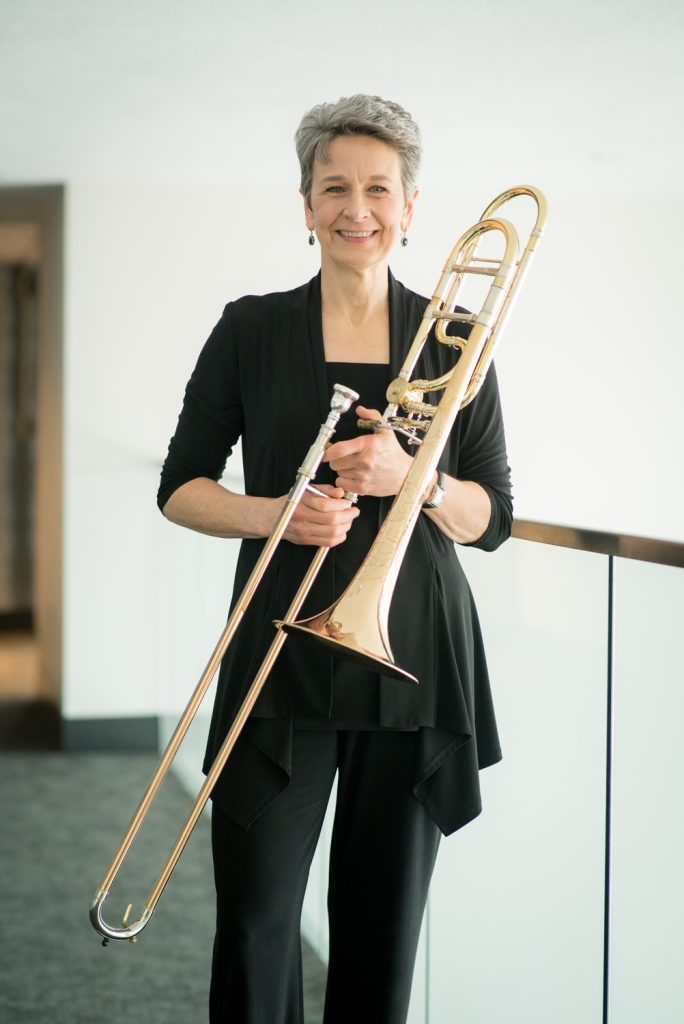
x,y
261,376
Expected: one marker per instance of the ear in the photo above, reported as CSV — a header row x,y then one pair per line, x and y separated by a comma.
x,y
407,215
308,213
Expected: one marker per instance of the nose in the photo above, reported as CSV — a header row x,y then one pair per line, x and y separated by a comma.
x,y
356,207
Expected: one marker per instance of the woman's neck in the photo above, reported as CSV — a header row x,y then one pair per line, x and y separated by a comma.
x,y
355,314
354,296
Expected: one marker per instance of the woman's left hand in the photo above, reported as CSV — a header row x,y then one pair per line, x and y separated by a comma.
x,y
370,463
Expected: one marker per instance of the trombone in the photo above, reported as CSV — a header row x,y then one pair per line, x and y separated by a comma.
x,y
356,626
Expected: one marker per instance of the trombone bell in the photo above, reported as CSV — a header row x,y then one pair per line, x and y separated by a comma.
x,y
353,630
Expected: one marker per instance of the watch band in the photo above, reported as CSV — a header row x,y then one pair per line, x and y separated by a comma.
x,y
437,496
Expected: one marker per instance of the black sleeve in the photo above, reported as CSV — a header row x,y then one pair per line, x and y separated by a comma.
x,y
482,458
211,420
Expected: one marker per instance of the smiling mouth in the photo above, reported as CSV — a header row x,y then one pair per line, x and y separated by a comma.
x,y
356,234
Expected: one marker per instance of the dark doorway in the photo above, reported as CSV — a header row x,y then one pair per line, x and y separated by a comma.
x,y
30,438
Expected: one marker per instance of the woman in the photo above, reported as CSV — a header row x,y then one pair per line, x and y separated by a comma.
x,y
407,757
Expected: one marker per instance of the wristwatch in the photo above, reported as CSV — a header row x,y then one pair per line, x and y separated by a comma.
x,y
437,494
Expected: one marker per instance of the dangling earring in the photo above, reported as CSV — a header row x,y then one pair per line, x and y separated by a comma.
x,y
404,239
312,240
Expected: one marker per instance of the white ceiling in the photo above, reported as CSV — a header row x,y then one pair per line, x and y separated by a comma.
x,y
581,96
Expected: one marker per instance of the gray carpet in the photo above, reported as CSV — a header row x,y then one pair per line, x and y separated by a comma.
x,y
61,819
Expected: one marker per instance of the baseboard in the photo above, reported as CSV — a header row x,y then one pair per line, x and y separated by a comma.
x,y
111,734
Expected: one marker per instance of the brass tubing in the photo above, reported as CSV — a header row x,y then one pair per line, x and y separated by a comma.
x,y
202,686
461,318
235,730
341,401
521,272
356,626
461,268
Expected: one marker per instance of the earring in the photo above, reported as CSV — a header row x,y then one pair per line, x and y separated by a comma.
x,y
404,239
312,240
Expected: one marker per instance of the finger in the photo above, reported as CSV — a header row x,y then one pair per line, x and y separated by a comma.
x,y
330,499
330,491
368,414
314,490
318,534
364,458
313,509
343,448
350,484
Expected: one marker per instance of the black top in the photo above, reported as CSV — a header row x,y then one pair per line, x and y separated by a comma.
x,y
262,376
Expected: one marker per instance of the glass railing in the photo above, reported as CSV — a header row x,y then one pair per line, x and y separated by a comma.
x,y
563,901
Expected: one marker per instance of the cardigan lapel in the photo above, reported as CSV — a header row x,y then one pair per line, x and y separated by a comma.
x,y
402,324
302,375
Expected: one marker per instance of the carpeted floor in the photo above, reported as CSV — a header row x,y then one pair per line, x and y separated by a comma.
x,y
61,820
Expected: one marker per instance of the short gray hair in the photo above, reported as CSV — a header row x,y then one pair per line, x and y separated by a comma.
x,y
358,115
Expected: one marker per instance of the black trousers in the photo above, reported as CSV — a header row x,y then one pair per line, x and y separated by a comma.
x,y
383,851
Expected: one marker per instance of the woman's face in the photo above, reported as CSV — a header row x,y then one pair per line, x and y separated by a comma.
x,y
358,207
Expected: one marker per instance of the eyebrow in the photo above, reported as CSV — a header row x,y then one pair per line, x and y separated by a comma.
x,y
341,177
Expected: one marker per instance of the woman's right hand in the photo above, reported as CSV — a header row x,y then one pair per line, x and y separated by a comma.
x,y
321,521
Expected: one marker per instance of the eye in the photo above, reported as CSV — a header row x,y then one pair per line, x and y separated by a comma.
x,y
378,188
335,189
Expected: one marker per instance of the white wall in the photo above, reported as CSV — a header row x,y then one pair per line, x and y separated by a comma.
x,y
146,272
591,363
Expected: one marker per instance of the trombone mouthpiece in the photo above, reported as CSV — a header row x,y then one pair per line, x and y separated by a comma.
x,y
343,397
